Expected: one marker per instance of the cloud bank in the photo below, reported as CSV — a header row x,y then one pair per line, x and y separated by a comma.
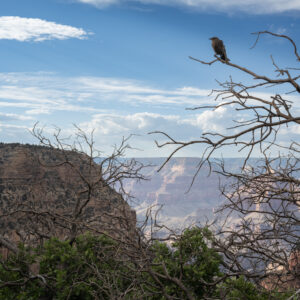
x,y
113,108
248,6
30,29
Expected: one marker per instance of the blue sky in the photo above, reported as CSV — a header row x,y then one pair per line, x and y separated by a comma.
x,y
122,67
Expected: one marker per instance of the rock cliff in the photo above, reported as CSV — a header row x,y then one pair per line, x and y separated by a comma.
x,y
170,188
48,192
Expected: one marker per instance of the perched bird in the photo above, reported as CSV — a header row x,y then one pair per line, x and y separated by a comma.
x,y
219,48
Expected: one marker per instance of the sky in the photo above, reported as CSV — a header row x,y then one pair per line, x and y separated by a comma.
x,y
121,67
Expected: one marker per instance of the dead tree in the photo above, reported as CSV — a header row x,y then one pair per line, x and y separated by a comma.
x,y
263,197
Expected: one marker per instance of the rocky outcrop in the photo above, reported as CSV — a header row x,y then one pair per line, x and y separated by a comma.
x,y
169,188
284,278
48,192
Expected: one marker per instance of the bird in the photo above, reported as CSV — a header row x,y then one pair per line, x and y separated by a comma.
x,y
219,48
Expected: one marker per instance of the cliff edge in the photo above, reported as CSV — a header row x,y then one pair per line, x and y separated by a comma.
x,y
45,192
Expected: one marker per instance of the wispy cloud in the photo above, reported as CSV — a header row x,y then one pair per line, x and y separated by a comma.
x,y
100,3
45,93
29,29
114,107
249,6
13,117
107,105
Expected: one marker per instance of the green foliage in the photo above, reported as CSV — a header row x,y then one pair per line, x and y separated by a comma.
x,y
65,267
240,288
97,267
189,260
72,271
15,273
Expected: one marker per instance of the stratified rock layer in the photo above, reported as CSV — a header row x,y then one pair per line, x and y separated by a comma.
x,y
43,192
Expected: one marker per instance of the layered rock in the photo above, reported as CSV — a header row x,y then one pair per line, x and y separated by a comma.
x,y
170,188
284,278
48,192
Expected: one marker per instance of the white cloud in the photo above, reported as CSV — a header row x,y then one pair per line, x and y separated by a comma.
x,y
137,123
109,129
100,3
211,120
13,117
249,6
29,29
135,91
108,105
44,93
114,107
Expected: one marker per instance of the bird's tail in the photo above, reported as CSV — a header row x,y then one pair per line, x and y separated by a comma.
x,y
224,57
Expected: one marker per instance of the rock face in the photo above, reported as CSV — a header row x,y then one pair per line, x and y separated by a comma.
x,y
170,188
284,278
48,192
